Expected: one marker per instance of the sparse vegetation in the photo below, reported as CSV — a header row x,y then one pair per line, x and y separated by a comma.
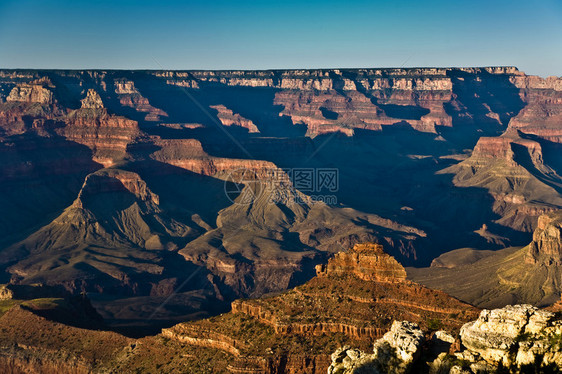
x,y
434,324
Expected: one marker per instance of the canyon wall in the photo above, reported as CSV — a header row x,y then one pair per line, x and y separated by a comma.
x,y
129,180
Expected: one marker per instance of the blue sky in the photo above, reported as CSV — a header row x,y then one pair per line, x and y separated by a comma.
x,y
281,34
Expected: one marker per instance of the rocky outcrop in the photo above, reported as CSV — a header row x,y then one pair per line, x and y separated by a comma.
x,y
367,262
395,352
129,96
229,118
106,135
514,337
546,247
92,100
38,91
114,180
189,154
543,113
518,338
505,147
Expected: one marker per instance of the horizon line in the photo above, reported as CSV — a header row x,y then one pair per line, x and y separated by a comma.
x,y
272,69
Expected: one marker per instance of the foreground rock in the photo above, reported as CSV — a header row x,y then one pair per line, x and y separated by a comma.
x,y
393,353
515,337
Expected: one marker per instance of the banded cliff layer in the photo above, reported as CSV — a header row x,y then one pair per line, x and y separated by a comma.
x,y
353,300
359,303
144,185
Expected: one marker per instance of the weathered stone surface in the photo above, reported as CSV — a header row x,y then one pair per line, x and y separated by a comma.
x,y
543,113
367,262
517,337
393,353
546,246
92,100
513,336
35,92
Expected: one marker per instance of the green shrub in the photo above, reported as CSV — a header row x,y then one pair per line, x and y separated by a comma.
x,y
434,324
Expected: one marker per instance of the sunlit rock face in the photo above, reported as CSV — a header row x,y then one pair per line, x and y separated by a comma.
x,y
546,247
542,115
515,337
38,91
366,261
395,352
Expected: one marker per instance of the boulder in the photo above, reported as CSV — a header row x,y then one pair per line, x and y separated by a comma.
x,y
395,352
514,337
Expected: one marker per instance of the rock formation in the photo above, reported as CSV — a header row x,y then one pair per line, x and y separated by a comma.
x,y
546,247
365,261
512,170
228,118
530,274
92,100
129,96
542,115
336,303
518,338
110,215
395,352
38,91
514,337
108,136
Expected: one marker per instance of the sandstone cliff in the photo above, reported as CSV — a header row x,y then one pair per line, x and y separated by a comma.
x,y
367,262
546,247
542,115
38,91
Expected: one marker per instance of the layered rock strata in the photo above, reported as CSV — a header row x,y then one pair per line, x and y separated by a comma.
x,y
355,301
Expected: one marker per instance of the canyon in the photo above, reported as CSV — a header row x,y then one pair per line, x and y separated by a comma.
x,y
293,332
514,275
174,196
326,325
